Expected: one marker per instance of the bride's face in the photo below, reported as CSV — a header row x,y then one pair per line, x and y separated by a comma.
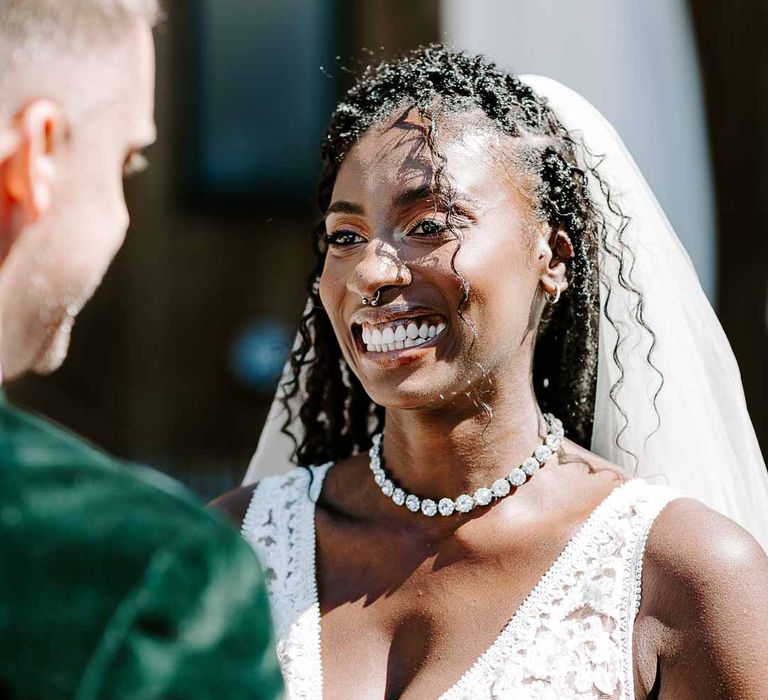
x,y
424,343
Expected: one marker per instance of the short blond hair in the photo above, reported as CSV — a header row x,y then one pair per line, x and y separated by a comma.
x,y
32,30
71,34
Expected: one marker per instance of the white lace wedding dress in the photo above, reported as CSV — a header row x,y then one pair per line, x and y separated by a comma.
x,y
571,638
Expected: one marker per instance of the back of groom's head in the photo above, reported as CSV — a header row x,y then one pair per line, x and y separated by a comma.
x,y
76,103
55,26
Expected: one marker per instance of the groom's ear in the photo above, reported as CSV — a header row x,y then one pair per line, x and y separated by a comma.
x,y
27,144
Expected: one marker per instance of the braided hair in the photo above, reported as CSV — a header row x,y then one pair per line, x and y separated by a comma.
x,y
337,416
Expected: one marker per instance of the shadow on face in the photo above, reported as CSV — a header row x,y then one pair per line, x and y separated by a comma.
x,y
428,214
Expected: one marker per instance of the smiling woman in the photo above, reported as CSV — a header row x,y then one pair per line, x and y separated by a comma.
x,y
408,229
481,314
446,161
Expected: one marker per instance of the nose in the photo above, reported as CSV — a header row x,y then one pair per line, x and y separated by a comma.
x,y
379,267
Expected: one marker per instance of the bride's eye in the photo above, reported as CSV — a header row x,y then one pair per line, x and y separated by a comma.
x,y
342,238
428,228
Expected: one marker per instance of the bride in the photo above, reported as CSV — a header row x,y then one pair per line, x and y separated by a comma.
x,y
503,336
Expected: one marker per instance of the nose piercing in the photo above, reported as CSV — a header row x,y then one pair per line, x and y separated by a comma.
x,y
374,301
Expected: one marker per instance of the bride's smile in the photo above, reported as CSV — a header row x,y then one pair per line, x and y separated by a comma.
x,y
457,258
398,328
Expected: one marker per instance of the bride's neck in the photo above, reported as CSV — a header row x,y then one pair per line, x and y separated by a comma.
x,y
462,447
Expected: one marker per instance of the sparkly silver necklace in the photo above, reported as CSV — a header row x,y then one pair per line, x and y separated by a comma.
x,y
483,496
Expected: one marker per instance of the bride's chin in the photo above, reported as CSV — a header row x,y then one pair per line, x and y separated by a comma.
x,y
428,386
418,396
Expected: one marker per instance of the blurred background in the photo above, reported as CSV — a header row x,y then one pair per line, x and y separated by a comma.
x,y
175,360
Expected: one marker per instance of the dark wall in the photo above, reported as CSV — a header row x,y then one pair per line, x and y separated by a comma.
x,y
734,61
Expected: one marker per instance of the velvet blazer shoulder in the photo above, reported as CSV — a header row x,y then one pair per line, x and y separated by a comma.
x,y
115,583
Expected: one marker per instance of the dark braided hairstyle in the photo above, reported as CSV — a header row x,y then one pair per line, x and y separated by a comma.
x,y
337,417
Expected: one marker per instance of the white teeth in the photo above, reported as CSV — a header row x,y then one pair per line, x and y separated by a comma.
x,y
399,337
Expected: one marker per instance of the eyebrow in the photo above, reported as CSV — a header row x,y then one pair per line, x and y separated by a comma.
x,y
413,196
425,192
341,206
400,201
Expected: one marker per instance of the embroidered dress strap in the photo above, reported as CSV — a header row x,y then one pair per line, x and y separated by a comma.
x,y
280,526
649,504
572,636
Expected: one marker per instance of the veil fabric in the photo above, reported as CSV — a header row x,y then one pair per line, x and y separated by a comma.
x,y
680,418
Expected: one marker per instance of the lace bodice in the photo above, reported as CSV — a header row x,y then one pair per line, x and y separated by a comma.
x,y
571,637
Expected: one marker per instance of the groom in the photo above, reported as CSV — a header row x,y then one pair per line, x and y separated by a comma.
x,y
114,583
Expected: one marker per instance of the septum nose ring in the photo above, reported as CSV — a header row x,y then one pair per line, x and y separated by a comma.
x,y
373,301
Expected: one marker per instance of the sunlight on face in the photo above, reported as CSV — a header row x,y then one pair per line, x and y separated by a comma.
x,y
386,231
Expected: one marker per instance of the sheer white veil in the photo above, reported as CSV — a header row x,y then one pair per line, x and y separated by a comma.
x,y
683,414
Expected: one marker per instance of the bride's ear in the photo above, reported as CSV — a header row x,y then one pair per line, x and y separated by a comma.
x,y
554,252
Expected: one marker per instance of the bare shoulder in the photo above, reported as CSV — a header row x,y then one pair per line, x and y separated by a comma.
x,y
705,582
234,504
704,552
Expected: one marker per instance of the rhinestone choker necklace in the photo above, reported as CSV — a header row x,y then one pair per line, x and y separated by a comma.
x,y
483,496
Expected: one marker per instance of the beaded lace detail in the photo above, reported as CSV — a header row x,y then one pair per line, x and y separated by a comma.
x,y
280,526
570,638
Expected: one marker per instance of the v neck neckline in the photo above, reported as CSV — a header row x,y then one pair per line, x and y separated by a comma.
x,y
553,572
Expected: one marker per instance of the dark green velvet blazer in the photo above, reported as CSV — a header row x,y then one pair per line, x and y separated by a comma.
x,y
116,584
